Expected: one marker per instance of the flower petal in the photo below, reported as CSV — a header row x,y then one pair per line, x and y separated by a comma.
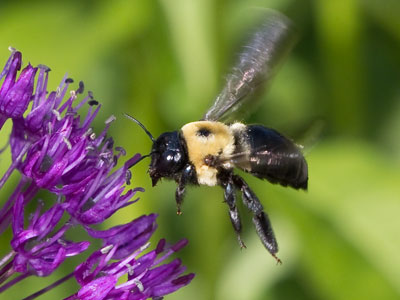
x,y
129,237
17,98
98,288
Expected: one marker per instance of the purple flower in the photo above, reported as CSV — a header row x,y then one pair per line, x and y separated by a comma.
x,y
128,237
36,251
99,275
58,154
104,197
15,95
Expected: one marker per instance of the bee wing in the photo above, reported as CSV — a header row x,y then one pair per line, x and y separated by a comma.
x,y
277,165
243,159
257,64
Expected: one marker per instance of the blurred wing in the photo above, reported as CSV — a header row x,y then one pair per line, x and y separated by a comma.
x,y
288,168
242,160
257,63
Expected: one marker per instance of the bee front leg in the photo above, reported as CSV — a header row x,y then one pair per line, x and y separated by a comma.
x,y
230,199
187,176
179,195
260,218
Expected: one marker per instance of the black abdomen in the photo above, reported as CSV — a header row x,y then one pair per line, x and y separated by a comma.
x,y
275,158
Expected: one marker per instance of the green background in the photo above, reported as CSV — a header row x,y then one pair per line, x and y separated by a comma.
x,y
338,93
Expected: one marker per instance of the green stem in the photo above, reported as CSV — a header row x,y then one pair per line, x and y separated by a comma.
x,y
49,287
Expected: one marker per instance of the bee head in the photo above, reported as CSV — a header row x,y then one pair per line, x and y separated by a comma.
x,y
168,156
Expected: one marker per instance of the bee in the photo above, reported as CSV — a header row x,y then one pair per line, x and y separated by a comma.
x,y
206,152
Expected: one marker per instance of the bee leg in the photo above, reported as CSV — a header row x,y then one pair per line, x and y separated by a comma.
x,y
230,199
179,195
260,218
188,175
212,161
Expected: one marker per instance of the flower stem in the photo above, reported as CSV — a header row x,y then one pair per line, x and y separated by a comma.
x,y
49,287
14,281
5,212
5,146
14,164
6,272
5,269
3,119
72,297
6,258
30,192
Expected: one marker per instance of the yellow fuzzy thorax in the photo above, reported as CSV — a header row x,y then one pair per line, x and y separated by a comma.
x,y
219,142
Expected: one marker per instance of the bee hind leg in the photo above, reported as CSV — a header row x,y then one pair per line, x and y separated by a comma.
x,y
230,199
260,218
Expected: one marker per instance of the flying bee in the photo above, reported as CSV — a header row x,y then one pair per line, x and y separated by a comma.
x,y
206,152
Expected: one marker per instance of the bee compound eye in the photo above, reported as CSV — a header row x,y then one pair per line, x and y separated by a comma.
x,y
167,159
169,162
177,157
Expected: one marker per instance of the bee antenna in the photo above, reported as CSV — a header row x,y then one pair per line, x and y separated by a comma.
x,y
143,157
141,125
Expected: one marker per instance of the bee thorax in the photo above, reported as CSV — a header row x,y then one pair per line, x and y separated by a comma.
x,y
209,144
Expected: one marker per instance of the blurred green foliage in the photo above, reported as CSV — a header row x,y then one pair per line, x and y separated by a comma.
x,y
164,61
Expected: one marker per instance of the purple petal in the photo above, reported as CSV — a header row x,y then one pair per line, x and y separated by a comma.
x,y
106,206
74,187
48,221
14,66
35,119
17,243
117,233
52,176
16,101
47,262
160,246
183,280
163,273
143,264
131,162
129,237
28,167
73,249
85,272
76,155
98,288
18,215
18,138
20,263
179,245
41,86
173,285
